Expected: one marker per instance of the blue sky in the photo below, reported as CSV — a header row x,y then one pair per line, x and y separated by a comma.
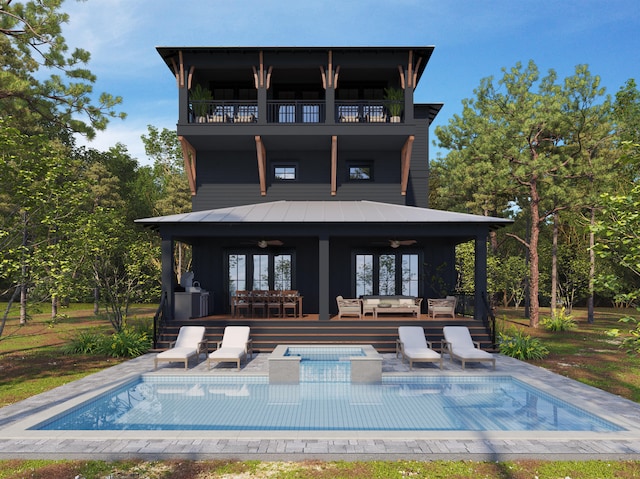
x,y
473,39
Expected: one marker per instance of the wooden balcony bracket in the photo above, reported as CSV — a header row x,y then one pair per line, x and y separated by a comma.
x,y
262,164
410,80
178,70
189,156
262,78
334,164
406,163
330,76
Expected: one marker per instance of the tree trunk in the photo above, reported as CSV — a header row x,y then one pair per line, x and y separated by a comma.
x,y
54,307
554,266
592,269
96,300
23,271
6,311
534,305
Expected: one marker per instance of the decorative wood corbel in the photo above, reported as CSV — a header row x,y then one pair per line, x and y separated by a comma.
x,y
405,156
189,157
262,164
262,78
330,76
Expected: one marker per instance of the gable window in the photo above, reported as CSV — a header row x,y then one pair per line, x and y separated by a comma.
x,y
285,172
360,172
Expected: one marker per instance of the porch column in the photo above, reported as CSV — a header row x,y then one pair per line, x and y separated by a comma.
x,y
479,310
166,248
323,278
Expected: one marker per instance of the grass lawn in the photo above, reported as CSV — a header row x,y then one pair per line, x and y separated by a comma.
x,y
31,361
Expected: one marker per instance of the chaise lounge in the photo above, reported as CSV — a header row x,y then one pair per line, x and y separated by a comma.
x,y
460,346
414,347
234,346
190,342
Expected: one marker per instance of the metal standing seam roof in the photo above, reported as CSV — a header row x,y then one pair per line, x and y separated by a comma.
x,y
323,212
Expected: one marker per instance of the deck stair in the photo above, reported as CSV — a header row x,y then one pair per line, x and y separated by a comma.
x,y
382,334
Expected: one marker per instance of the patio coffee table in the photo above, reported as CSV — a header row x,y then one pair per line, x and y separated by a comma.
x,y
393,309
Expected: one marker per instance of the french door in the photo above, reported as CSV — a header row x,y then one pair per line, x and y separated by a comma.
x,y
260,271
386,274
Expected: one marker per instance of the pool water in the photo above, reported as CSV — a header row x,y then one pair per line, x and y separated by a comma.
x,y
399,403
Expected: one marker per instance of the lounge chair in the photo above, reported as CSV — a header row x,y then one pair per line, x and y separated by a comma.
x,y
413,346
460,346
234,346
349,307
190,342
446,306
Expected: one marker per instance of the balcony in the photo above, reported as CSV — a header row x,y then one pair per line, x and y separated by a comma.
x,y
296,112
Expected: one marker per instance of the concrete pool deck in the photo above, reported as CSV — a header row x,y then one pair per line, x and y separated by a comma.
x,y
16,442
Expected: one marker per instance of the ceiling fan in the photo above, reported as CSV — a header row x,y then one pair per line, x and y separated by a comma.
x,y
265,243
394,243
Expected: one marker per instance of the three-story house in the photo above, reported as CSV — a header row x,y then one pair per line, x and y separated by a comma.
x,y
309,170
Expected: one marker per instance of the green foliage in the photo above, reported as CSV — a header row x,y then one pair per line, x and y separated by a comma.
x,y
32,42
86,342
560,322
631,342
528,146
618,240
516,344
200,97
396,99
129,342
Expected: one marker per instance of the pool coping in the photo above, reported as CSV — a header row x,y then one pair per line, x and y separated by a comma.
x,y
16,442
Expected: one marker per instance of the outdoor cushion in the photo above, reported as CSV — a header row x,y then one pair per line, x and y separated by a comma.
x,y
414,346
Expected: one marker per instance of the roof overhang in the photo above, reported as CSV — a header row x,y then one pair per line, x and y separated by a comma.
x,y
325,212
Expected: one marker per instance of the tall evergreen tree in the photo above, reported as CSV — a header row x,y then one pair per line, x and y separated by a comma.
x,y
517,146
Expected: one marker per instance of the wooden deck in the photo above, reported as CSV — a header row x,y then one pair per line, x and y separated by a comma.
x,y
381,332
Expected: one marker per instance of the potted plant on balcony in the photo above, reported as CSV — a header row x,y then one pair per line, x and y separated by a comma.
x,y
395,98
200,98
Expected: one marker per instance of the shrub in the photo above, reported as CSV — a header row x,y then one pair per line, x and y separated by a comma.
x,y
630,343
560,322
86,342
516,344
127,343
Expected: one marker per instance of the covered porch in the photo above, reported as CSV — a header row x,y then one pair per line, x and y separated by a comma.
x,y
323,249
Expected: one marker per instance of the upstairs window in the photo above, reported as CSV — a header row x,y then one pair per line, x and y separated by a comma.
x,y
360,172
285,172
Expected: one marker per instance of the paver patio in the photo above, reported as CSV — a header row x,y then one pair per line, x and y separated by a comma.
x,y
18,443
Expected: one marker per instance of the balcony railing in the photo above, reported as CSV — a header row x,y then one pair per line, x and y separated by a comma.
x,y
223,111
369,111
296,111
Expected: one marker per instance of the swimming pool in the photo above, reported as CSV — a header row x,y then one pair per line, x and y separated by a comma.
x,y
402,403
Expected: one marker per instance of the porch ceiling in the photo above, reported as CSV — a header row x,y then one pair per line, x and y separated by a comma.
x,y
299,142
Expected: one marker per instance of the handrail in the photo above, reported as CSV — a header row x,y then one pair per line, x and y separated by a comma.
x,y
492,322
159,317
